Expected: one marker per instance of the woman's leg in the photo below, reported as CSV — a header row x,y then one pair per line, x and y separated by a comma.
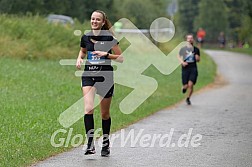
x,y
89,94
106,123
105,107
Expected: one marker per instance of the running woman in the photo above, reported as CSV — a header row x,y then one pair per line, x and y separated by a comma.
x,y
100,47
188,56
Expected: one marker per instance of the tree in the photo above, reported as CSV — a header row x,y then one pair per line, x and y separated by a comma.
x,y
187,11
245,31
240,18
212,17
141,13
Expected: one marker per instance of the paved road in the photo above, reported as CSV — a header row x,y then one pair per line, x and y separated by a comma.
x,y
221,115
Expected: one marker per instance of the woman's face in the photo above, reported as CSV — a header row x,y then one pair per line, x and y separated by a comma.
x,y
96,21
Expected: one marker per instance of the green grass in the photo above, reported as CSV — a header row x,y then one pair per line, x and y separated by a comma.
x,y
247,51
32,37
34,93
35,89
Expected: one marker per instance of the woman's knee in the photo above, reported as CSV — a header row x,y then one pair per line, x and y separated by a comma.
x,y
89,109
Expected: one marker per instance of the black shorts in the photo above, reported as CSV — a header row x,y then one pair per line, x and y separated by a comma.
x,y
189,74
103,82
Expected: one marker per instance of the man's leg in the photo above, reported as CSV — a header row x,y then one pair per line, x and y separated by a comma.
x,y
190,91
192,80
185,79
184,88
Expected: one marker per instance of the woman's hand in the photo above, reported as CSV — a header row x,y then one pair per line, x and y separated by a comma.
x,y
81,55
79,62
100,53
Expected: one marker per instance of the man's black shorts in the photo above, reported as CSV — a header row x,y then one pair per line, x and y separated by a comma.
x,y
189,74
104,84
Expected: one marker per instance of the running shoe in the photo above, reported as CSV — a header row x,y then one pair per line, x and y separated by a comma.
x,y
105,151
188,101
90,150
184,90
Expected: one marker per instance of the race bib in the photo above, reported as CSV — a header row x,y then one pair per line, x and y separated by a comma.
x,y
93,59
189,58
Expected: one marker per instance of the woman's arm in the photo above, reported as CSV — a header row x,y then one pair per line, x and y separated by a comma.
x,y
117,56
80,57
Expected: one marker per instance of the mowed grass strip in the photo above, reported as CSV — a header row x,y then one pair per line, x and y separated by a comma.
x,y
34,93
247,51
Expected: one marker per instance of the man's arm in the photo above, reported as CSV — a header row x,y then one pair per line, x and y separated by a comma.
x,y
182,61
197,55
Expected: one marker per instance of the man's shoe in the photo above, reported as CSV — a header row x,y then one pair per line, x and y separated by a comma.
x,y
184,90
188,101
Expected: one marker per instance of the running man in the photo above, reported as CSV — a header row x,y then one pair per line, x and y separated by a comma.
x,y
201,33
97,77
188,56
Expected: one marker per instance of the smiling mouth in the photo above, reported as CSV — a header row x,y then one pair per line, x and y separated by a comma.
x,y
95,26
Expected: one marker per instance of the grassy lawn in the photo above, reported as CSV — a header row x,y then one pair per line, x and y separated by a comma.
x,y
247,51
35,89
34,93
